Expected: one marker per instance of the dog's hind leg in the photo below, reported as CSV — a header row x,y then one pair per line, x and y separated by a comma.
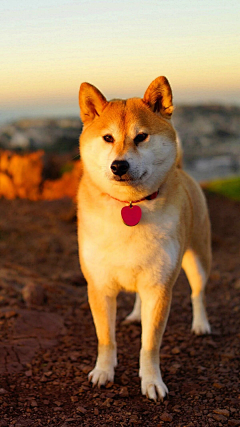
x,y
103,309
135,315
197,271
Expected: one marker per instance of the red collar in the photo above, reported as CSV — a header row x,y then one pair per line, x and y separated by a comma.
x,y
151,197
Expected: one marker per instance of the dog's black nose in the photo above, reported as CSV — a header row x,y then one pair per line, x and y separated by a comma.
x,y
119,167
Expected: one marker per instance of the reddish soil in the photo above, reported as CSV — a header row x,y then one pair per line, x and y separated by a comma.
x,y
48,342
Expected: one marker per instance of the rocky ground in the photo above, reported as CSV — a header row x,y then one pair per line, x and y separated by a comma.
x,y
48,342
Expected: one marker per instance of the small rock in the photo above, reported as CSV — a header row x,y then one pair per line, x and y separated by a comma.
x,y
34,403
224,412
166,417
74,399
175,350
133,419
96,411
85,306
228,355
233,423
28,373
10,314
81,409
219,417
237,284
109,385
218,385
86,369
215,276
33,294
3,391
124,379
74,356
124,392
108,402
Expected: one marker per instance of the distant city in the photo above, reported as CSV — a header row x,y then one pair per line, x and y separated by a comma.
x,y
210,136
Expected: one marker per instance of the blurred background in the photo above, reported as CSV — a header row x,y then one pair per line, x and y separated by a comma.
x,y
48,48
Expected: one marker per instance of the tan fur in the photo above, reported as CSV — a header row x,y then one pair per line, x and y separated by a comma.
x,y
174,230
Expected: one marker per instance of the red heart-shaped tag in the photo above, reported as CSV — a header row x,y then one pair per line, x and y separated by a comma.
x,y
131,215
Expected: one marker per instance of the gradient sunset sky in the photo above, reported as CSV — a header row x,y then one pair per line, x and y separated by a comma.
x,y
49,47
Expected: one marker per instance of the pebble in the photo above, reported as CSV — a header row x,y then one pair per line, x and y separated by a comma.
x,y
234,423
124,379
237,284
166,417
219,417
107,402
134,419
175,350
33,294
224,412
124,392
10,314
81,409
218,385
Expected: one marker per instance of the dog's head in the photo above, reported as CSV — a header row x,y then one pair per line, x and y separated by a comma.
x,y
128,147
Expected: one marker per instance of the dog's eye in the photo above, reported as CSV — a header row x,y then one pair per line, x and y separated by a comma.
x,y
140,138
108,138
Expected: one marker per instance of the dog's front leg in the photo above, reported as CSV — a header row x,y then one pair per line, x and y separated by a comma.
x,y
156,301
103,309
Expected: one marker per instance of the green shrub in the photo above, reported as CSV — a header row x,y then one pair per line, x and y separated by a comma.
x,y
229,187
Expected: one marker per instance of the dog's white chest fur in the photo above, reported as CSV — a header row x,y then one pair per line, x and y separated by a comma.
x,y
118,255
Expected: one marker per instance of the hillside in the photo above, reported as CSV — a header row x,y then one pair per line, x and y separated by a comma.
x,y
48,342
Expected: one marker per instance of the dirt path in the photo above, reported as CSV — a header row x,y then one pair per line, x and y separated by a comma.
x,y
48,342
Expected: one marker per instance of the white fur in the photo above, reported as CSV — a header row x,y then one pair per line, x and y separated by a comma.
x,y
197,279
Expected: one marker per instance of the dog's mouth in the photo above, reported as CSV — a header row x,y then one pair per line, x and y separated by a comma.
x,y
129,179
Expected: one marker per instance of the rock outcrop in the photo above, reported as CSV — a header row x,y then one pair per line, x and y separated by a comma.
x,y
21,176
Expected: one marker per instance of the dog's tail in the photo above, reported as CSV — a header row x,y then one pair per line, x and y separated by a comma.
x,y
179,161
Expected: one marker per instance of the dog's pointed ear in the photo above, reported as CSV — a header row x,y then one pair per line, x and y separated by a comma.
x,y
91,102
158,97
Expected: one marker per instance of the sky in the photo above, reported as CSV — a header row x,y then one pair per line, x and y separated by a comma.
x,y
49,47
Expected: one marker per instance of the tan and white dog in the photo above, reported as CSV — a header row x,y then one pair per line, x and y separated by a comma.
x,y
130,156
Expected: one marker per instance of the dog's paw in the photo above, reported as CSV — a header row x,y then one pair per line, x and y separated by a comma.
x,y
154,388
101,377
132,318
201,327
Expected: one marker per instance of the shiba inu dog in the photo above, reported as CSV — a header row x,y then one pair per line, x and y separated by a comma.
x,y
140,219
